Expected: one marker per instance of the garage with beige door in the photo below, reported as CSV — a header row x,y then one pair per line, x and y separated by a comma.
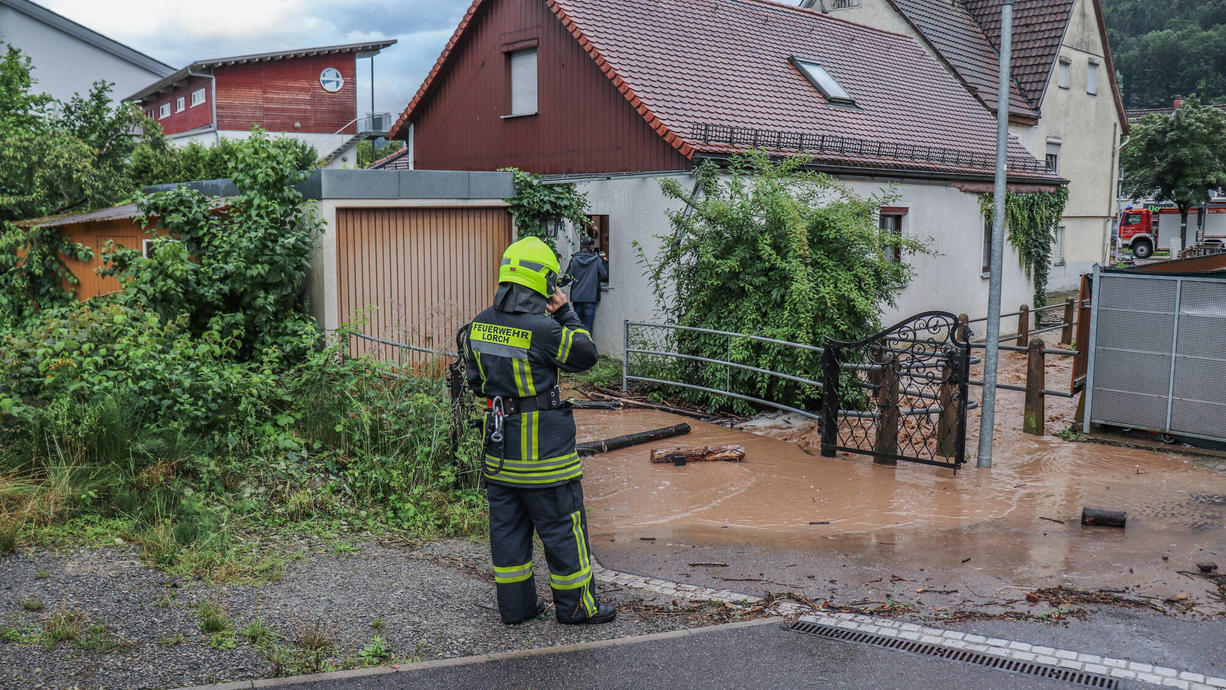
x,y
416,275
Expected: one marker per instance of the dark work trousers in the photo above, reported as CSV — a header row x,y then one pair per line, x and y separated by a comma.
x,y
586,311
558,516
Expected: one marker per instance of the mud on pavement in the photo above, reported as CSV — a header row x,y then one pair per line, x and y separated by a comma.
x,y
913,538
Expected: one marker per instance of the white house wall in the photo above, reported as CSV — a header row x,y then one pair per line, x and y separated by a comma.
x,y
324,143
65,65
950,280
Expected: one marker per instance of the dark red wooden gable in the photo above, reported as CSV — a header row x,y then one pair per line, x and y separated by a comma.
x,y
583,124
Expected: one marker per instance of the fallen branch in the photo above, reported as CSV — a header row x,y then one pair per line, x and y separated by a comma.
x,y
681,456
619,442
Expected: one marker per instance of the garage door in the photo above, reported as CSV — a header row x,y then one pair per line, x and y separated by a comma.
x,y
415,275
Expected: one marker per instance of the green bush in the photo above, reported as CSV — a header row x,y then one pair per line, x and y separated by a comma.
x,y
768,249
202,405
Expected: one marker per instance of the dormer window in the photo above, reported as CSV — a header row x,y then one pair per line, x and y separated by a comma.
x,y
821,80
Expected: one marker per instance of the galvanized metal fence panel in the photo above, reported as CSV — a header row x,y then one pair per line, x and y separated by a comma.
x,y
1158,354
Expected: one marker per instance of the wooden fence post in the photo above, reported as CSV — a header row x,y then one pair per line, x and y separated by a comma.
x,y
831,400
887,410
1066,336
1023,326
947,423
963,322
1036,375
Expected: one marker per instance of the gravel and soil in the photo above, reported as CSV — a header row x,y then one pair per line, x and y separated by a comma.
x,y
425,602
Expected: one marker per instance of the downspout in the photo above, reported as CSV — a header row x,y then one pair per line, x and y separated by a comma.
x,y
409,144
212,101
1112,193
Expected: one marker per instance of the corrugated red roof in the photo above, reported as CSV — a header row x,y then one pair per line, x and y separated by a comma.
x,y
694,67
955,35
397,160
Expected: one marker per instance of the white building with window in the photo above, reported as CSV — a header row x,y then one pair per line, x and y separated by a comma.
x,y
1064,107
68,58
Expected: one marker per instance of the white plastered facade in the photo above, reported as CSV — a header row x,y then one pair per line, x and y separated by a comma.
x,y
949,280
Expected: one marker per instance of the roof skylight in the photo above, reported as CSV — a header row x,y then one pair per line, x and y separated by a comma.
x,y
823,82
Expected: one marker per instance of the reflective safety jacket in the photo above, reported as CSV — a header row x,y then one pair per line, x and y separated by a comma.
x,y
518,355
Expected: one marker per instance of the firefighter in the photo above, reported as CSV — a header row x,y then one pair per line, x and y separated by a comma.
x,y
513,353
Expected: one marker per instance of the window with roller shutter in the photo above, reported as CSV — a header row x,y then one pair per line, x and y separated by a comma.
x,y
523,82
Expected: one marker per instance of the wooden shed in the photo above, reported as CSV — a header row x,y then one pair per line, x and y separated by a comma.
x,y
94,229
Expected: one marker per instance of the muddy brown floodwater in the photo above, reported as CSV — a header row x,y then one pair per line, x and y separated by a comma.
x,y
1018,521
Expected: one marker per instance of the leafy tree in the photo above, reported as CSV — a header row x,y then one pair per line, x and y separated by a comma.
x,y
772,250
1163,50
20,109
1178,157
241,267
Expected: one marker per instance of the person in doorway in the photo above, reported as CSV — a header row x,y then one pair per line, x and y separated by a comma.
x,y
589,271
513,353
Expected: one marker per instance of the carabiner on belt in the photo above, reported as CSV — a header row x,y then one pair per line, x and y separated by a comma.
x,y
498,410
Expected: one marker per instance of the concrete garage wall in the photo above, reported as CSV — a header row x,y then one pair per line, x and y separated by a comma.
x,y
64,65
950,280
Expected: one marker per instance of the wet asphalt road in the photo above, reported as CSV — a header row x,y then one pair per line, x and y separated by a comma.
x,y
748,657
1146,636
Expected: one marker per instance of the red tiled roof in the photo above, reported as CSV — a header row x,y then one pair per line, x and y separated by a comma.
x,y
954,34
693,67
396,160
1038,30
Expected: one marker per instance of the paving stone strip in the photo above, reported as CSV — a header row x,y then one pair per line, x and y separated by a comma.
x,y
951,639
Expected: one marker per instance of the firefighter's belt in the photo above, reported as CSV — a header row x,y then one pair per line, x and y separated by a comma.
x,y
549,400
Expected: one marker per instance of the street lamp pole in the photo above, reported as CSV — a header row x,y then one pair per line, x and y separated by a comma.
x,y
987,414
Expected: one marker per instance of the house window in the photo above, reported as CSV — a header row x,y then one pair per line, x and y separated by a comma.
x,y
197,97
331,79
987,250
1092,78
1053,155
1062,72
163,111
821,80
599,228
180,104
148,246
891,221
523,82
1057,248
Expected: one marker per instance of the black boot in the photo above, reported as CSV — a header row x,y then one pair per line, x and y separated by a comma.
x,y
604,614
541,607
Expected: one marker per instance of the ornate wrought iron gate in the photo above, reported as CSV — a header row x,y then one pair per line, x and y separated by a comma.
x,y
901,394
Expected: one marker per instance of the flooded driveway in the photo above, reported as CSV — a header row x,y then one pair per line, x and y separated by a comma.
x,y
1015,525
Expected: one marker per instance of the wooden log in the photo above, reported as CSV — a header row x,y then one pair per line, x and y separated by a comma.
x,y
1023,326
1104,517
618,442
681,456
1033,418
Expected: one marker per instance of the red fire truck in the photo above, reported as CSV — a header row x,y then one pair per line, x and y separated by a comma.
x,y
1140,228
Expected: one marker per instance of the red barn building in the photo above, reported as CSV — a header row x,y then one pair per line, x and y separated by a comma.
x,y
310,94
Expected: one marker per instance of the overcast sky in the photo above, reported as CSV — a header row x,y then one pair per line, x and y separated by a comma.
x,y
178,32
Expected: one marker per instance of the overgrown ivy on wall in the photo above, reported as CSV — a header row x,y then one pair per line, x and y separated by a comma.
x,y
536,205
1031,219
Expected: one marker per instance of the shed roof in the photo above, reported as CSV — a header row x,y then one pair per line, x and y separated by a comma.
x,y
121,212
364,49
715,77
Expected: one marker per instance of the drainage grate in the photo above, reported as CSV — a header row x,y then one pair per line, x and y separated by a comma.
x,y
1088,680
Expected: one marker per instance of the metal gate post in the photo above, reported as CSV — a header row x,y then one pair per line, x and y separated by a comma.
x,y
830,399
625,355
1089,394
